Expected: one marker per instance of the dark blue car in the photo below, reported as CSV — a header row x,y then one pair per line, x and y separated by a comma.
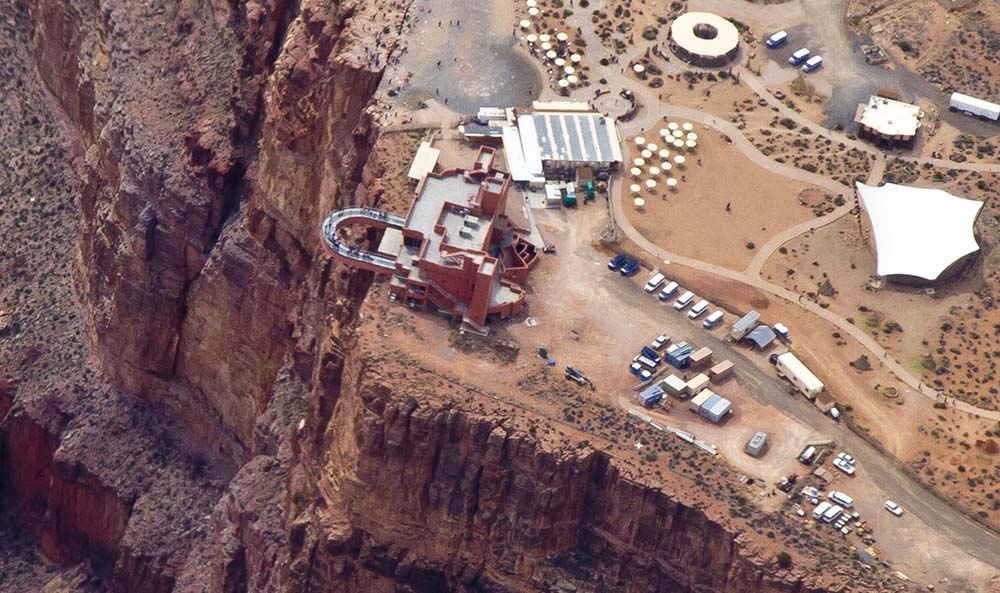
x,y
618,261
630,268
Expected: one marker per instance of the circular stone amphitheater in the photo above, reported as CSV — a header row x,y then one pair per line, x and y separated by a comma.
x,y
704,39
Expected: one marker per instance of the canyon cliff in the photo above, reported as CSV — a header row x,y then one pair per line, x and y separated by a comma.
x,y
188,402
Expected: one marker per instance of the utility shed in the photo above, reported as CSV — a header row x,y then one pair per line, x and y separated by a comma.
x,y
697,401
651,396
696,383
757,443
744,325
674,385
762,336
715,409
825,402
700,359
721,371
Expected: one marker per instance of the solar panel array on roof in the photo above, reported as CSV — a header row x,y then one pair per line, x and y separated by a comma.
x,y
573,137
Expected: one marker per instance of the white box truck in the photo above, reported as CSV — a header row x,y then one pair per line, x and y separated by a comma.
x,y
974,106
791,368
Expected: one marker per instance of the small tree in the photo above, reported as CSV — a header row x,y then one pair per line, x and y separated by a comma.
x,y
784,559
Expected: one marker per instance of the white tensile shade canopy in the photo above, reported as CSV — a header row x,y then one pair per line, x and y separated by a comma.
x,y
919,232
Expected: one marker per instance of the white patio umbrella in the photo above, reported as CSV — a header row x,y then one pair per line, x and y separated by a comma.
x,y
525,23
673,126
575,58
654,171
664,132
635,171
639,203
652,146
560,62
532,38
691,144
679,160
569,69
563,83
639,140
544,37
692,136
532,3
635,188
676,133
562,36
664,153
572,79
546,46
688,126
639,68
551,54
665,166
638,162
678,143
650,183
671,182
646,154
533,11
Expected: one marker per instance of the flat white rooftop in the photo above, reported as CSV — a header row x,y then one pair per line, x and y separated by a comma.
x,y
889,117
424,161
918,232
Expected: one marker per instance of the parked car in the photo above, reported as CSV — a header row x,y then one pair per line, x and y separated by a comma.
x,y
846,457
660,342
893,508
777,40
799,56
654,282
617,262
631,268
843,466
698,309
713,320
684,300
669,291
812,64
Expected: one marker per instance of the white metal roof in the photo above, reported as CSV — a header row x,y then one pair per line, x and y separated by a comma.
x,y
962,101
424,161
794,366
521,167
682,31
568,137
892,118
918,231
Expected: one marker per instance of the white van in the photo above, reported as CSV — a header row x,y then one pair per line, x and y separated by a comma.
x,y
832,513
713,320
812,64
841,499
684,300
777,39
820,509
669,291
799,56
655,282
698,310
807,455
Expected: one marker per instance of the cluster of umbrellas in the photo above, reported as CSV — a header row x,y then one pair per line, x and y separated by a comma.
x,y
654,164
554,50
680,135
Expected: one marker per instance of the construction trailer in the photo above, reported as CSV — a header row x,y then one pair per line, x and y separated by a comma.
x,y
696,402
674,385
678,355
744,325
700,359
715,409
756,444
974,106
696,384
721,371
791,368
651,396
825,402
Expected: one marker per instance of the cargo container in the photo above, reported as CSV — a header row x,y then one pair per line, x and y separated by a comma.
x,y
695,404
721,371
674,385
974,107
756,444
791,368
651,396
696,384
715,409
744,325
700,359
